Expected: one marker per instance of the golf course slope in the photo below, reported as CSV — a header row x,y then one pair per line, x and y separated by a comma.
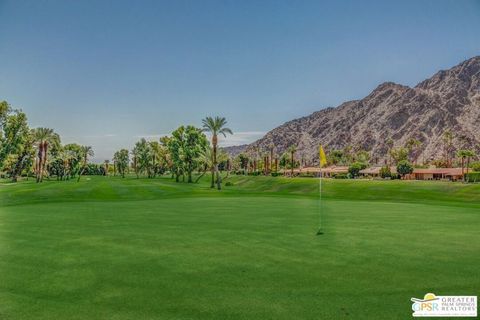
x,y
113,248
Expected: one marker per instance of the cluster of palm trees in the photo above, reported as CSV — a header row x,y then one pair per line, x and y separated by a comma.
x,y
185,150
37,152
50,158
465,156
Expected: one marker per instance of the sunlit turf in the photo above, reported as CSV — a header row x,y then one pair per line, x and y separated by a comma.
x,y
112,248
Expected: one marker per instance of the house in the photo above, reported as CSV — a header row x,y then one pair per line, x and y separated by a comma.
x,y
453,174
374,172
334,170
326,172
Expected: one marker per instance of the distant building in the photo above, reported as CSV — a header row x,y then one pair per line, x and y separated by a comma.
x,y
327,172
453,174
374,172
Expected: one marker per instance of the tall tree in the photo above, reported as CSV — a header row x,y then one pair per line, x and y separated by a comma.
x,y
363,156
24,158
121,161
75,150
15,141
399,154
292,150
142,158
195,143
154,149
465,155
175,147
165,154
107,164
242,160
390,145
448,146
86,151
271,147
470,155
413,146
205,162
44,138
216,126
336,157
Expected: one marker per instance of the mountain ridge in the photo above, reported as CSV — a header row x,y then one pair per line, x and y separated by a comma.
x,y
449,100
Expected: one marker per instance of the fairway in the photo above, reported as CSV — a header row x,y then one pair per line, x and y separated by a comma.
x,y
112,248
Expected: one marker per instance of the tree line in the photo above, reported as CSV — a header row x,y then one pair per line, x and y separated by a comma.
x,y
38,152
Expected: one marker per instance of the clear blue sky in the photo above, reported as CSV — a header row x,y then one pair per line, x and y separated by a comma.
x,y
105,73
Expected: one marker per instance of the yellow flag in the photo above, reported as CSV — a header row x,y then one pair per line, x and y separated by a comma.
x,y
323,158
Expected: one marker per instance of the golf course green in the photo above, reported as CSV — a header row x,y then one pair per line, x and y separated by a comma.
x,y
113,248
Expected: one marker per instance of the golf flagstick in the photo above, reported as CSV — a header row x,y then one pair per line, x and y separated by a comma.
x,y
319,232
322,162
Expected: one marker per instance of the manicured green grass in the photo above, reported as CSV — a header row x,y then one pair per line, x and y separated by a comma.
x,y
111,248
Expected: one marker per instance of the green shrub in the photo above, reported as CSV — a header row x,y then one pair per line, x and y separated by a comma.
x,y
385,172
276,174
307,175
341,176
228,184
354,169
473,177
404,167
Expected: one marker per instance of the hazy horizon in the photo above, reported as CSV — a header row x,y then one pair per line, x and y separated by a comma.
x,y
106,74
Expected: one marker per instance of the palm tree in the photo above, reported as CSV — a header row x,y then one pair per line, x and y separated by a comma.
x,y
448,146
85,151
107,162
255,151
389,144
470,154
206,162
43,137
155,149
66,156
292,151
266,164
413,145
465,154
271,147
216,126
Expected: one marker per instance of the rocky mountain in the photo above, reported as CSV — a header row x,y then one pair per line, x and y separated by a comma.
x,y
450,100
235,150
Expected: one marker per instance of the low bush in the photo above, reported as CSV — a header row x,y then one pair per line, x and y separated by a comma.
x,y
385,172
306,175
354,169
472,177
